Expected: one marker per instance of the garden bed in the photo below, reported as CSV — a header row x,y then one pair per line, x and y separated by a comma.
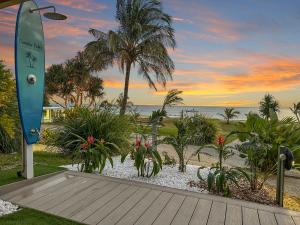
x,y
168,177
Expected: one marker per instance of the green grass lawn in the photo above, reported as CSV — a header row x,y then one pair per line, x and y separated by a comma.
x,y
44,163
169,128
34,217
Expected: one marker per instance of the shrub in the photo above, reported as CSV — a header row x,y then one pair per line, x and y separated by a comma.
x,y
92,153
146,158
101,124
6,142
202,129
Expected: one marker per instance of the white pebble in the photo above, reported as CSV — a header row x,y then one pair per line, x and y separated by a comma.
x,y
168,177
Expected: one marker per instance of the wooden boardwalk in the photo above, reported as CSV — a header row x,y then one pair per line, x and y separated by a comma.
x,y
93,199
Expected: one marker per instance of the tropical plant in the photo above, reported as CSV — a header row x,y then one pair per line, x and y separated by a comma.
x,y
220,177
168,160
10,130
92,153
219,180
262,140
224,151
146,159
172,98
268,105
202,129
255,152
296,110
180,142
272,133
101,124
144,33
73,83
229,113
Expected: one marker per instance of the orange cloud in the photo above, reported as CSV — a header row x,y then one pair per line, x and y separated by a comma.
x,y
119,84
85,5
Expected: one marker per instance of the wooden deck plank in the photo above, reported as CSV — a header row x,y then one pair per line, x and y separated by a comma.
x,y
154,210
266,218
170,210
217,213
284,219
250,216
121,211
60,198
66,205
133,215
185,212
41,185
201,212
61,187
89,200
233,215
46,188
33,201
90,209
296,220
107,208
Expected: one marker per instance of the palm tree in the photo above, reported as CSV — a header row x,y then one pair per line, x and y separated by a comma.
x,y
296,110
268,105
142,38
229,113
171,99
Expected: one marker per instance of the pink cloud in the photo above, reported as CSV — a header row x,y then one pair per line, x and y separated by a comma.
x,y
85,5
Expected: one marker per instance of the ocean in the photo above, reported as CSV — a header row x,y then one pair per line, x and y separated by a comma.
x,y
209,111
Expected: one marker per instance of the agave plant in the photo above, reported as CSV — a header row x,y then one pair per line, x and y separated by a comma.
x,y
219,179
147,160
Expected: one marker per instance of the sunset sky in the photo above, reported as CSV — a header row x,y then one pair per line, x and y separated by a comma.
x,y
229,53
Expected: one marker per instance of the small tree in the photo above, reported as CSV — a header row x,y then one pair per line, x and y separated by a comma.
x,y
268,105
73,82
229,113
296,110
171,99
180,142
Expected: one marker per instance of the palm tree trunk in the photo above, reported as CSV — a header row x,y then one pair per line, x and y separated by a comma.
x,y
126,86
154,135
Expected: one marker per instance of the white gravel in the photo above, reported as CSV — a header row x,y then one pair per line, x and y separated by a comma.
x,y
169,176
7,208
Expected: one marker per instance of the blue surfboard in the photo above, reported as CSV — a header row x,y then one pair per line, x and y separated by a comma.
x,y
30,69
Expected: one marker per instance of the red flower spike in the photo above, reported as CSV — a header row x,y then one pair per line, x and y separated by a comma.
x,y
91,139
147,144
220,140
84,146
137,142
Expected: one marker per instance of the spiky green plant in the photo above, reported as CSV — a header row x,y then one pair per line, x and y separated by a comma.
x,y
296,110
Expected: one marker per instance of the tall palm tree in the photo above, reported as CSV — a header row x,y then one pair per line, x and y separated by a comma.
x,y
229,113
144,33
171,99
296,110
268,105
